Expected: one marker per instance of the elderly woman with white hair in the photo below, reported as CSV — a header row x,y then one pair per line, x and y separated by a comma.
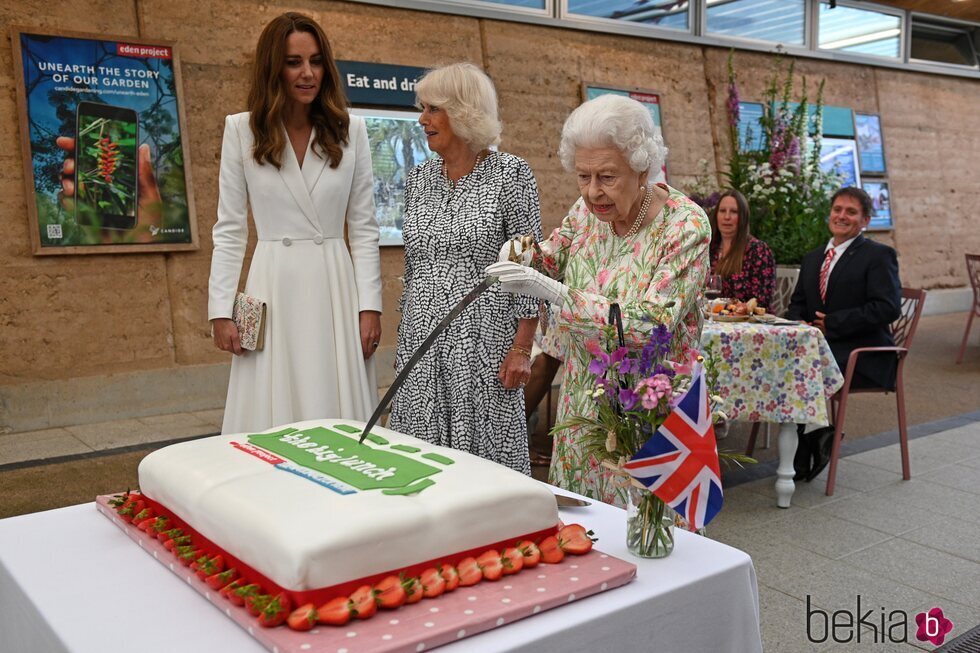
x,y
626,240
460,208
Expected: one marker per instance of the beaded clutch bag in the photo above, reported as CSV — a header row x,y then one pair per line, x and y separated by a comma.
x,y
249,317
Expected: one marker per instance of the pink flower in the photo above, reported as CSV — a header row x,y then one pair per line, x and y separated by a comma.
x,y
603,276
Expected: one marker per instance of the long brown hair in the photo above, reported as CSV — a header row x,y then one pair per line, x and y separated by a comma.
x,y
730,263
267,97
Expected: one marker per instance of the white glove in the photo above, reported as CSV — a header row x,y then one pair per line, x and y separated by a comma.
x,y
523,256
520,280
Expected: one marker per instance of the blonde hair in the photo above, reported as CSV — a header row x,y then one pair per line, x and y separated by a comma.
x,y
468,97
613,121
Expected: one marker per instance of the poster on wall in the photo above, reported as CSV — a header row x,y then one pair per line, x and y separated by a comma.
x,y
871,146
881,201
751,132
839,155
649,99
398,144
105,161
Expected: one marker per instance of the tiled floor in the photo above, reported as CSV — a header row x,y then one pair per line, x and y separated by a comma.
x,y
899,545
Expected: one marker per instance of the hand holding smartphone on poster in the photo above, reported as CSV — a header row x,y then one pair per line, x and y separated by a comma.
x,y
110,179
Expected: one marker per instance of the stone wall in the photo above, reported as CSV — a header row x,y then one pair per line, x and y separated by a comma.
x,y
85,317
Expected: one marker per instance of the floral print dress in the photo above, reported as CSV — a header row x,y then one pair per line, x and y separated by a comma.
x,y
757,278
667,261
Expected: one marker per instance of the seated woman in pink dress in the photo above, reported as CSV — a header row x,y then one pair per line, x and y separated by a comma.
x,y
745,263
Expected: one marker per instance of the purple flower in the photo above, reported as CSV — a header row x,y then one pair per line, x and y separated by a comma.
x,y
732,105
628,398
598,365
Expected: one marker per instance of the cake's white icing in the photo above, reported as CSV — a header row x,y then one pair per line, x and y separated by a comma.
x,y
304,536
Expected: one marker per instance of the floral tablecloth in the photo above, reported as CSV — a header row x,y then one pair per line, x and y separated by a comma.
x,y
770,373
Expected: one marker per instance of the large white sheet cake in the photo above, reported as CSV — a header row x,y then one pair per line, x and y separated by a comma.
x,y
309,508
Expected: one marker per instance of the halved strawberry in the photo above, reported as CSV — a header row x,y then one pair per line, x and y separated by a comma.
x,y
302,618
449,573
469,572
145,513
118,500
131,509
389,593
550,550
212,565
490,565
512,560
274,612
161,523
221,579
169,534
335,612
145,524
229,589
529,550
188,557
362,603
181,541
575,539
256,603
413,589
433,584
239,594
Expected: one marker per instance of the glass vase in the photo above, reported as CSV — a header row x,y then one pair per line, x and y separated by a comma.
x,y
649,524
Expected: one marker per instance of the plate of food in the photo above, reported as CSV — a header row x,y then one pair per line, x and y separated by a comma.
x,y
735,311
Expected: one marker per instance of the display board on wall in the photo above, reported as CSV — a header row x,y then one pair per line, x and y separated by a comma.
x,y
398,144
650,99
881,200
379,84
839,155
102,125
751,133
871,146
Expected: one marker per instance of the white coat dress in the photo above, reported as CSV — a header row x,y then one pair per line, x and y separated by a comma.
x,y
312,364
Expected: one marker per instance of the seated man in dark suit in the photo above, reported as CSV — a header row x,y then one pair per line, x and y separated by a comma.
x,y
850,290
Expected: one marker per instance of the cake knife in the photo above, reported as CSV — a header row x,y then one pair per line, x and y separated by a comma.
x,y
526,243
481,288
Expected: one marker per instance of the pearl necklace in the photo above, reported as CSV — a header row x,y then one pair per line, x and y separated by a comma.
x,y
482,154
635,229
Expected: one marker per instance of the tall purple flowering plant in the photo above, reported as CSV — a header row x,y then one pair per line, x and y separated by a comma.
x,y
788,192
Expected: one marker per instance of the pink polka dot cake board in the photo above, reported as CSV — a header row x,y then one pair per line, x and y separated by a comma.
x,y
421,626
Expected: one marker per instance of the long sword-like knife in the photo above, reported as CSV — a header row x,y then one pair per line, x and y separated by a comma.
x,y
423,348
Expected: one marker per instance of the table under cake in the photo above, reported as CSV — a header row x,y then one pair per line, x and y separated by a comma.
x,y
70,580
774,373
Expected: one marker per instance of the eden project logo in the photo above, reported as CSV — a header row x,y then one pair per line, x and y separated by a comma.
x,y
876,626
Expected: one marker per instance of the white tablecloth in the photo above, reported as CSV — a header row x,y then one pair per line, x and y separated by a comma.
x,y
70,580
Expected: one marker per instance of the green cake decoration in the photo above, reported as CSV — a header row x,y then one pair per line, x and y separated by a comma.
x,y
343,458
347,428
438,458
415,488
406,448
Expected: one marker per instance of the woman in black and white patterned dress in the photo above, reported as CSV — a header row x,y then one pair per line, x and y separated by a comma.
x,y
460,208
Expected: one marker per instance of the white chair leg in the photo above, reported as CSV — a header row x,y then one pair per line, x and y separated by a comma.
x,y
768,434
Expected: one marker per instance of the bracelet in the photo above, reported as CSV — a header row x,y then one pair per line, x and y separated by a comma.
x,y
521,350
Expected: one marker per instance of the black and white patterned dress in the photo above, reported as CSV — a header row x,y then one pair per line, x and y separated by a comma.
x,y
452,233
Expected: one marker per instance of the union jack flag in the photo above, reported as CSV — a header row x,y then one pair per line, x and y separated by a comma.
x,y
679,463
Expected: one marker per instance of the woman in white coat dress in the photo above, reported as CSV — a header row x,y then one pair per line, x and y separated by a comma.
x,y
304,165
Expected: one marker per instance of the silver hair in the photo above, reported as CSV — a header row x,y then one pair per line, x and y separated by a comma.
x,y
467,95
614,121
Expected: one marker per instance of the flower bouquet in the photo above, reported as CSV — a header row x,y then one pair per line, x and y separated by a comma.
x,y
634,393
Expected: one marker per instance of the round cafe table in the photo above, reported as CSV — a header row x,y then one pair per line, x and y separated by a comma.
x,y
782,373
